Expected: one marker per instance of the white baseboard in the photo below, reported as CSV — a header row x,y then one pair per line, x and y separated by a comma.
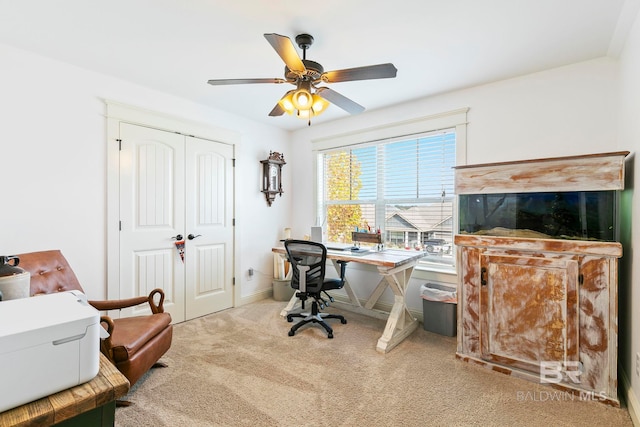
x,y
260,295
633,406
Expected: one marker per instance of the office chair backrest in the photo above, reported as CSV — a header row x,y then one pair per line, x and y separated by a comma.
x,y
310,254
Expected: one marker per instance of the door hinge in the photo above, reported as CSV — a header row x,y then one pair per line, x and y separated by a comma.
x,y
233,163
233,222
233,281
119,225
119,144
581,279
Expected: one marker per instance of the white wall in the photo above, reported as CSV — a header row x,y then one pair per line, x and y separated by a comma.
x,y
53,167
629,139
565,111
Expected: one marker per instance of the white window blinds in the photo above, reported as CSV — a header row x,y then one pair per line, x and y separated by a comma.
x,y
419,168
404,186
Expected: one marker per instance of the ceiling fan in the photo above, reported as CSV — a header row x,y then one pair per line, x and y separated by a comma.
x,y
308,99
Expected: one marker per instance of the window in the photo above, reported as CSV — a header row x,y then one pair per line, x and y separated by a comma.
x,y
400,186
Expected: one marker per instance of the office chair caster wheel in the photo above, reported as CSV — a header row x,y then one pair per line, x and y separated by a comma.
x,y
330,335
289,319
343,321
291,333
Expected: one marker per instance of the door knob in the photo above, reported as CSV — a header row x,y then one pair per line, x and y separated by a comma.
x,y
191,236
177,237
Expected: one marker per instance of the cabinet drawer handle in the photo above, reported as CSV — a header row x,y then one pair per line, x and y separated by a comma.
x,y
483,276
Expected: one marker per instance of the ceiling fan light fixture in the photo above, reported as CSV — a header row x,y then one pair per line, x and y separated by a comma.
x,y
317,107
304,114
286,102
318,104
302,99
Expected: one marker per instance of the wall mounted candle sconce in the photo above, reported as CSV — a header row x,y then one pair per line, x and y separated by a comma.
x,y
272,176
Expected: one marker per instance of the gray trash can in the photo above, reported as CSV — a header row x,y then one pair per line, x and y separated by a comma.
x,y
439,309
282,290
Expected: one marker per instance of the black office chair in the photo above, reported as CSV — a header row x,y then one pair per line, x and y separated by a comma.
x,y
308,260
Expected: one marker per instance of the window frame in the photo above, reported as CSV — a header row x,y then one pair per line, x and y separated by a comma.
x,y
455,119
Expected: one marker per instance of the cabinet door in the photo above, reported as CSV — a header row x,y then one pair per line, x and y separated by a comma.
x,y
599,324
528,310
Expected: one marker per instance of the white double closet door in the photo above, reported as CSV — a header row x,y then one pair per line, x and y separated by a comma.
x,y
176,190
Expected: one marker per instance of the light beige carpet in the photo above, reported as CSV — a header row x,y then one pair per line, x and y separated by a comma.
x,y
240,368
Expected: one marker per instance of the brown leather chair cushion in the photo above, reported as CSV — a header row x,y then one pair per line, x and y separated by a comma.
x,y
139,363
130,334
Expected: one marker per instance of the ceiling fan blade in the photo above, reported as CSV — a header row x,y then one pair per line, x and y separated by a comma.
x,y
277,111
341,101
287,51
369,72
222,82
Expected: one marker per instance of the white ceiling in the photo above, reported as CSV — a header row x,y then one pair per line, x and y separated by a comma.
x,y
175,46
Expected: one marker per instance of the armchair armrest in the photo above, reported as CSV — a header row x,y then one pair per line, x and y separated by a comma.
x,y
131,302
106,347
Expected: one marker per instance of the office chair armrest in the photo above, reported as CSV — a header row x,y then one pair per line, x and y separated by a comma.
x,y
343,268
302,282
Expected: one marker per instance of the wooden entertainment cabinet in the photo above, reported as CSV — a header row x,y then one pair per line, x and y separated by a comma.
x,y
533,305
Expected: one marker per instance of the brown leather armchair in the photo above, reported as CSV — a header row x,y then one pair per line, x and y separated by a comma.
x,y
136,343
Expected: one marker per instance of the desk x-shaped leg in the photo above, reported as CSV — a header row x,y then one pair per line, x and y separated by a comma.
x,y
400,322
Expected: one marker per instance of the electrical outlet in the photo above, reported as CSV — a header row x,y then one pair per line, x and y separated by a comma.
x,y
638,364
250,273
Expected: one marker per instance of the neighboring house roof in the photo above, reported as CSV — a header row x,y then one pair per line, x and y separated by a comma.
x,y
421,218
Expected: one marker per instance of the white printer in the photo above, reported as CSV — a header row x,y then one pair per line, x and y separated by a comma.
x,y
48,343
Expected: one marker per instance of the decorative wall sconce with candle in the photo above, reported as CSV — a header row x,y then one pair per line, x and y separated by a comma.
x,y
272,176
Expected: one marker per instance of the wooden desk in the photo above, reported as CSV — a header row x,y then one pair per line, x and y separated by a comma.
x,y
91,403
396,268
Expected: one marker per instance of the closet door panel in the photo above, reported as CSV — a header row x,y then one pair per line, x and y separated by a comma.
x,y
151,216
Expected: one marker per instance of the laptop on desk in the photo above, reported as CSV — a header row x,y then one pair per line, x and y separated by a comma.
x,y
332,246
346,248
